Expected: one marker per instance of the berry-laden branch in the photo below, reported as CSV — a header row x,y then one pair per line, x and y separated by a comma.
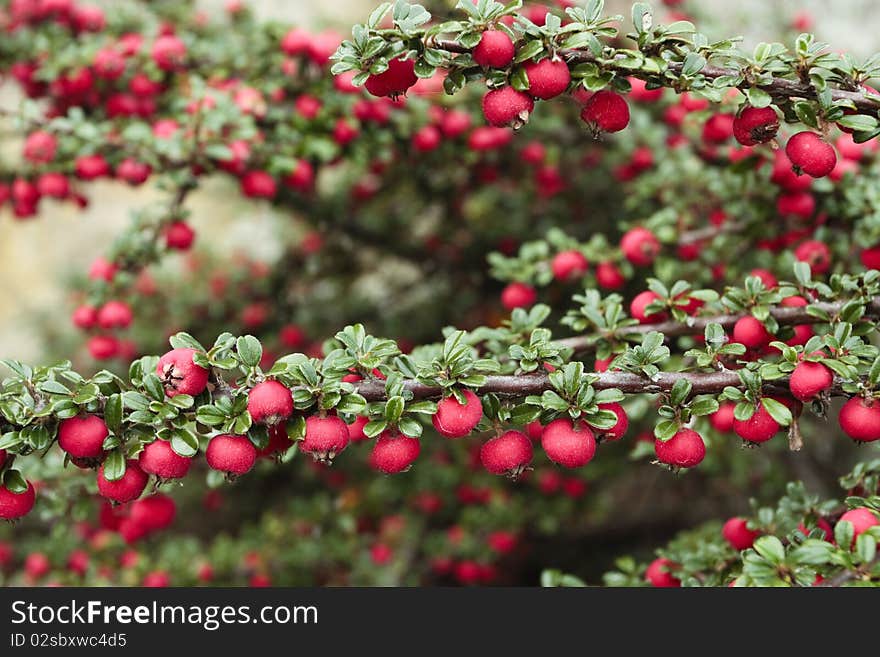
x,y
803,542
523,62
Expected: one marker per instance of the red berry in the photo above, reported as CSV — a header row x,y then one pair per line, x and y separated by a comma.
x,y
103,270
495,50
640,246
37,565
738,534
568,265
870,257
755,125
759,428
155,512
722,419
393,453
158,458
606,111
455,420
102,347
133,172
114,314
568,444
427,139
518,295
83,436
860,419
822,524
54,185
862,519
179,236
810,154
129,487
90,167
809,380
169,52
270,402
507,454
750,332
399,77
16,505
234,455
85,317
40,147
180,375
616,432
767,278
659,574
718,128
356,429
638,308
2,458
608,276
158,579
547,78
258,184
302,178
684,450
325,437
507,107
816,254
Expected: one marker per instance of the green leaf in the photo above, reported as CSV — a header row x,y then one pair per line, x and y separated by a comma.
x,y
114,465
210,415
113,412
249,349
184,442
778,411
410,427
771,549
14,482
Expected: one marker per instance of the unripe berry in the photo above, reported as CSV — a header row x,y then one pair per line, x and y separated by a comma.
x,y
750,332
115,314
684,450
738,534
616,432
569,444
455,420
810,154
605,111
816,254
270,402
860,419
179,236
495,50
809,380
155,512
16,505
82,436
507,454
640,246
568,265
234,455
759,428
755,125
507,107
393,453
659,575
862,519
518,295
638,308
325,437
180,375
158,458
547,78
399,77
125,489
722,419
